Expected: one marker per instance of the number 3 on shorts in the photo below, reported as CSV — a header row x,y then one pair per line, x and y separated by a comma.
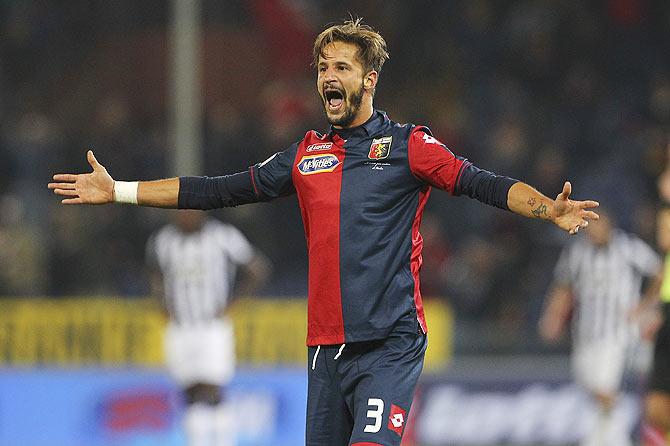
x,y
375,414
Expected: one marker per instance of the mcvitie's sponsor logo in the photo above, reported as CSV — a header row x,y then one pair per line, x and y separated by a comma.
x,y
312,164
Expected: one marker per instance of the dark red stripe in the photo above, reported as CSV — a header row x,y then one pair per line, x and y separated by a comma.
x,y
253,181
417,260
460,173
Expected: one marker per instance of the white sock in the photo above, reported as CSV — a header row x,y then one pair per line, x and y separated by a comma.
x,y
198,422
616,434
606,432
598,434
224,426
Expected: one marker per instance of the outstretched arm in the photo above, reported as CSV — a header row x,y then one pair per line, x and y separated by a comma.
x,y
98,187
432,162
567,214
262,182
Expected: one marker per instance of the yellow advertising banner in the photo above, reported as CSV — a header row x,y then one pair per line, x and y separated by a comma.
x,y
117,332
80,332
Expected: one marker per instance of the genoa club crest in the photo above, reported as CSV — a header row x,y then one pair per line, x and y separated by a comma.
x,y
380,148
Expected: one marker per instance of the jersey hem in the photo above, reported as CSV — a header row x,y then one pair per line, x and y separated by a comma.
x,y
402,326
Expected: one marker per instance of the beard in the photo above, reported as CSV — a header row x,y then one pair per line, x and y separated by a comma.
x,y
353,105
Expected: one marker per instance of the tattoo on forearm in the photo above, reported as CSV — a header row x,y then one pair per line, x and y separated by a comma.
x,y
531,202
540,211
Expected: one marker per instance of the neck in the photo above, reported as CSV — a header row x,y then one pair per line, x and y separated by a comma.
x,y
364,113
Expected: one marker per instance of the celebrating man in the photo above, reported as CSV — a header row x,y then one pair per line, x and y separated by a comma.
x,y
362,188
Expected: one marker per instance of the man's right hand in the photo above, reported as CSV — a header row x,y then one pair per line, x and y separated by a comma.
x,y
96,187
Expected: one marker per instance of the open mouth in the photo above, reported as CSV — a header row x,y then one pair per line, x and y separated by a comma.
x,y
334,99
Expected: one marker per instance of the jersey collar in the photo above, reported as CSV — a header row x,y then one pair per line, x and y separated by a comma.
x,y
369,128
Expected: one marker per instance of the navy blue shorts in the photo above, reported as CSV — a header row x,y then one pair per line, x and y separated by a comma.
x,y
361,394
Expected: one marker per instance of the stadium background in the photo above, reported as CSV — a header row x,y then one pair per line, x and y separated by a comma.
x,y
536,89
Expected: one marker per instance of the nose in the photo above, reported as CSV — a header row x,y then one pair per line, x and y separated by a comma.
x,y
328,75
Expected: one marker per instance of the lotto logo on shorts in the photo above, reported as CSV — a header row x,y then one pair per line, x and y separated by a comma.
x,y
397,419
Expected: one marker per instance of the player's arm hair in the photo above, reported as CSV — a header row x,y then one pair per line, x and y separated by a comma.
x,y
525,200
159,193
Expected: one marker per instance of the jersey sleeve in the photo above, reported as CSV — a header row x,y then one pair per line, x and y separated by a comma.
x,y
432,162
273,177
262,182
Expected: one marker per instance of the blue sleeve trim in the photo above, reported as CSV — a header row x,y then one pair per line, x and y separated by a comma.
x,y
484,186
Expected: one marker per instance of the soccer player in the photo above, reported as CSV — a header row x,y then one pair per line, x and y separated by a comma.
x,y
194,263
362,187
599,281
657,403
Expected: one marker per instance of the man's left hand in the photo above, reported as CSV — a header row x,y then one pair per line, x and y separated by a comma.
x,y
571,215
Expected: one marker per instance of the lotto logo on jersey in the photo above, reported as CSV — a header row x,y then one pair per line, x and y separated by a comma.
x,y
380,148
312,164
319,147
397,419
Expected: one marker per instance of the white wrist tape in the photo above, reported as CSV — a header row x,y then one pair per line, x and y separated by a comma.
x,y
125,192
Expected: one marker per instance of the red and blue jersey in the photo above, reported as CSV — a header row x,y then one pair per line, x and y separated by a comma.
x,y
362,192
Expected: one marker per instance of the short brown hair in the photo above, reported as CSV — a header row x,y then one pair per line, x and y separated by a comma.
x,y
371,45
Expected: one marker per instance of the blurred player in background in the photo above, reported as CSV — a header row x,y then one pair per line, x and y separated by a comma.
x,y
656,431
657,405
194,264
598,281
362,188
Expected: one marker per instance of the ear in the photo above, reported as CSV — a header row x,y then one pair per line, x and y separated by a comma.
x,y
370,80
